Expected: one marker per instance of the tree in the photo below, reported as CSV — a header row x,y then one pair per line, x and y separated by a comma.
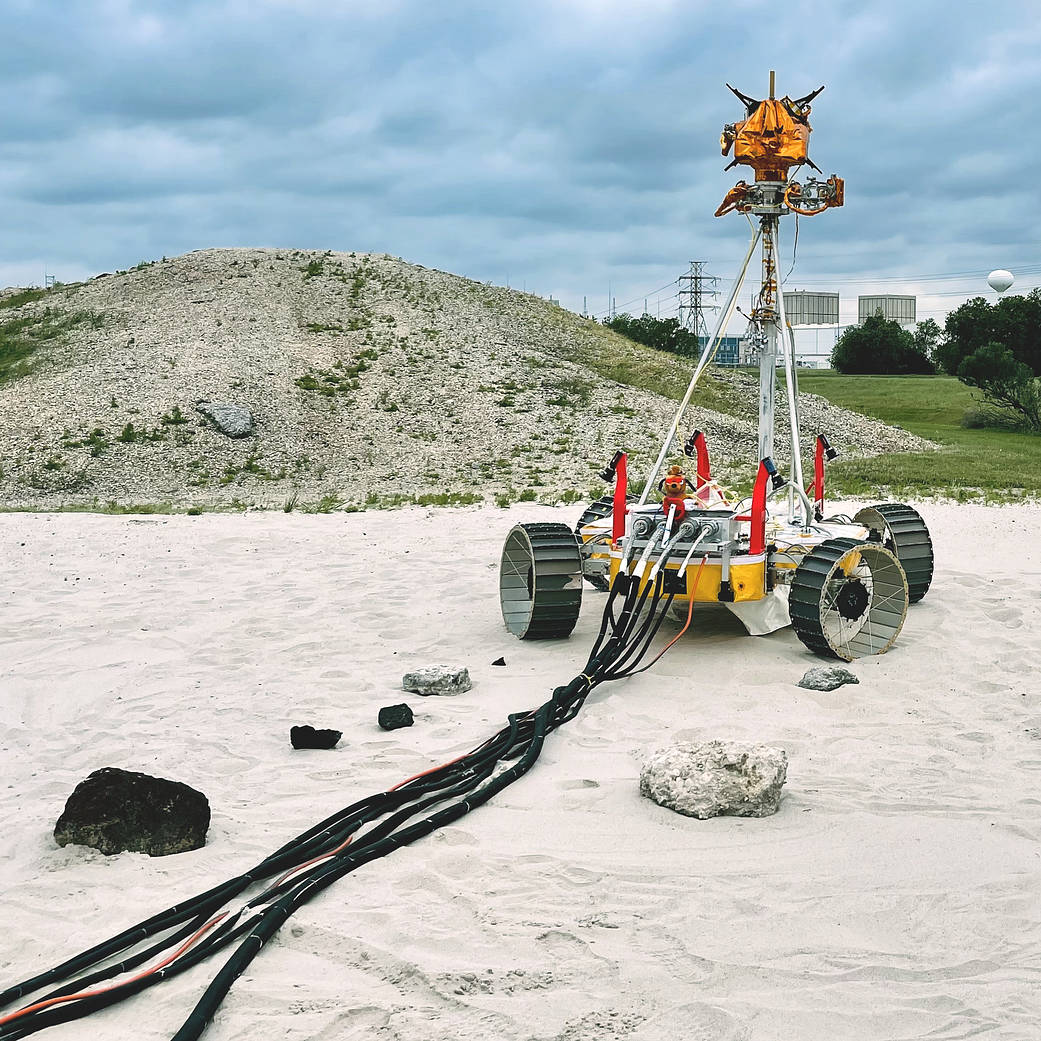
x,y
998,350
879,346
663,334
1014,322
927,337
1007,384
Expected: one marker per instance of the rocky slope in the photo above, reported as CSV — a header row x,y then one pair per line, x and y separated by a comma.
x,y
368,379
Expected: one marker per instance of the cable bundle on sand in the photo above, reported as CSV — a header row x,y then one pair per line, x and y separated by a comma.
x,y
188,933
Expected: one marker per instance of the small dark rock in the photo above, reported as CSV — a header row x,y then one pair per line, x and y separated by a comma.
x,y
393,717
116,810
308,737
499,661
827,677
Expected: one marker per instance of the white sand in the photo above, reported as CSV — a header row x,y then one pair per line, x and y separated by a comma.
x,y
896,895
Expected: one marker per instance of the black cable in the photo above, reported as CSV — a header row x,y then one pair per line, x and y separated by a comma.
x,y
471,780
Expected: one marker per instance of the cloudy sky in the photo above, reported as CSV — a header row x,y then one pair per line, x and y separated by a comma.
x,y
568,147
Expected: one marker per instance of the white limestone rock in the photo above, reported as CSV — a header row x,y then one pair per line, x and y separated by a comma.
x,y
716,778
437,679
827,677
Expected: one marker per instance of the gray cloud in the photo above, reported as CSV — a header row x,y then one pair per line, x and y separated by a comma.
x,y
565,144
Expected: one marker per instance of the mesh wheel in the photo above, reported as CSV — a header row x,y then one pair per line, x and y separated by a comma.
x,y
903,532
848,599
540,581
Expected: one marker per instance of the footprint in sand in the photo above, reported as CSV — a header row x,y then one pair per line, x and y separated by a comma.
x,y
1010,617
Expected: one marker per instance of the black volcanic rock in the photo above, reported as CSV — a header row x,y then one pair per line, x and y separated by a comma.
x,y
393,717
308,737
116,810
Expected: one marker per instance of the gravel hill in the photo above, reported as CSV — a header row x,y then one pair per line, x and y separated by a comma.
x,y
369,380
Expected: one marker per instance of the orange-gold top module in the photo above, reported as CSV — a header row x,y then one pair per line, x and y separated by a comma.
x,y
773,136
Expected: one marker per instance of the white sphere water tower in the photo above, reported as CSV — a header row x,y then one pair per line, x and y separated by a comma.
x,y
1000,280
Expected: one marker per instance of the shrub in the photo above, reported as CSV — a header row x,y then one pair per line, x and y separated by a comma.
x,y
880,347
1008,385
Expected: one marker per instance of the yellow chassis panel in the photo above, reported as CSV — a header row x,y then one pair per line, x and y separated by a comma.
x,y
748,579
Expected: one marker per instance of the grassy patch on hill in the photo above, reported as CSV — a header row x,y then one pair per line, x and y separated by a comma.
x,y
617,358
19,337
991,464
25,296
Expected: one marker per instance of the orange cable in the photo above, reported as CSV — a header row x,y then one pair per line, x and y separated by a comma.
x,y
434,769
690,612
39,1005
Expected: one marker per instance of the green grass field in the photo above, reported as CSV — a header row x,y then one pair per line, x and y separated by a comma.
x,y
988,465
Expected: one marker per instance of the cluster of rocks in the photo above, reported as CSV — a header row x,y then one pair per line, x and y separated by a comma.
x,y
249,375
727,778
115,810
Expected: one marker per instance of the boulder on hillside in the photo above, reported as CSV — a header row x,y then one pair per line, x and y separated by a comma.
x,y
116,811
717,778
233,420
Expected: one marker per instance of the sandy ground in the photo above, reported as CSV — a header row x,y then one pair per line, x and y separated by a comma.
x,y
896,895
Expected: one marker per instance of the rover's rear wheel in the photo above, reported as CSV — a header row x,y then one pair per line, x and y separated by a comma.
x,y
540,581
598,509
597,572
848,599
903,532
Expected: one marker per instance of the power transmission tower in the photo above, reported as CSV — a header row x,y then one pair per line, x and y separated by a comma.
x,y
695,289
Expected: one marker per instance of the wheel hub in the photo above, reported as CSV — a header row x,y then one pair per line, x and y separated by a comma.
x,y
853,599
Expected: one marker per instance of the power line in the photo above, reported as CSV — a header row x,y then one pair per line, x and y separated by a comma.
x,y
957,276
635,299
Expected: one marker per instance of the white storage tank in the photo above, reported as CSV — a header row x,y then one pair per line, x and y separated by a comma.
x,y
802,308
899,309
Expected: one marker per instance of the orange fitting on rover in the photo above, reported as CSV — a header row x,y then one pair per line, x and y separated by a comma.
x,y
732,199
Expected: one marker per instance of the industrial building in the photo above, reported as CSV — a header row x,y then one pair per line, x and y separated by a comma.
x,y
814,318
804,308
900,309
728,353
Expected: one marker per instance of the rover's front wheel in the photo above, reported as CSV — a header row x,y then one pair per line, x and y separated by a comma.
x,y
848,599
